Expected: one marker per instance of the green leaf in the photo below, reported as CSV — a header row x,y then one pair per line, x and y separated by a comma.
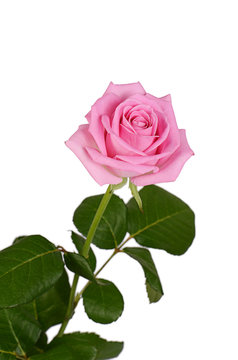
x,y
67,353
79,242
67,348
167,222
75,341
153,284
5,355
79,265
19,330
153,295
103,302
40,346
19,239
105,349
42,342
51,306
28,269
113,225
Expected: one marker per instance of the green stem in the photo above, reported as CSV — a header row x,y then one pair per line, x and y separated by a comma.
x,y
70,308
116,251
106,262
124,242
102,206
99,213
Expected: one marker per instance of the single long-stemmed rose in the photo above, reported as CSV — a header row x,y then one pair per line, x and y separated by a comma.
x,y
130,134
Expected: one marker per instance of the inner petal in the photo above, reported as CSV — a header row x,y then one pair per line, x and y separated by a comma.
x,y
126,110
140,140
141,107
140,122
127,124
116,118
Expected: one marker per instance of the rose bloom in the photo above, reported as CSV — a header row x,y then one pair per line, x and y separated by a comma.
x,y
131,134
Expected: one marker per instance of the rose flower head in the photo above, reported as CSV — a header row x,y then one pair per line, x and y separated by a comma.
x,y
131,133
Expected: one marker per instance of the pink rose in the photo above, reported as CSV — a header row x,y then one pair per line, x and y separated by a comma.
x,y
131,134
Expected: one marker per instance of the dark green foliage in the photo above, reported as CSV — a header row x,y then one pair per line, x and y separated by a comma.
x,y
103,302
79,265
19,330
166,222
51,306
27,269
79,242
85,346
113,225
153,284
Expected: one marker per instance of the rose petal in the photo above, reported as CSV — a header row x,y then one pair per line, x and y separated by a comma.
x,y
88,116
148,160
146,112
119,167
136,140
142,112
77,143
166,105
116,145
163,131
104,105
151,101
127,125
119,112
173,138
125,90
142,109
142,131
163,98
171,168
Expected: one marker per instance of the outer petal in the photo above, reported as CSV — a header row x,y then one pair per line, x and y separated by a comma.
x,y
77,143
125,90
88,116
119,167
171,168
163,98
104,105
138,160
152,101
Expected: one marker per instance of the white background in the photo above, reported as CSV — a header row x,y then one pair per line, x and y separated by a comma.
x,y
57,58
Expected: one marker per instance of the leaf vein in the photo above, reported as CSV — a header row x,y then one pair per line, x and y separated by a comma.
x,y
13,332
28,261
156,222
